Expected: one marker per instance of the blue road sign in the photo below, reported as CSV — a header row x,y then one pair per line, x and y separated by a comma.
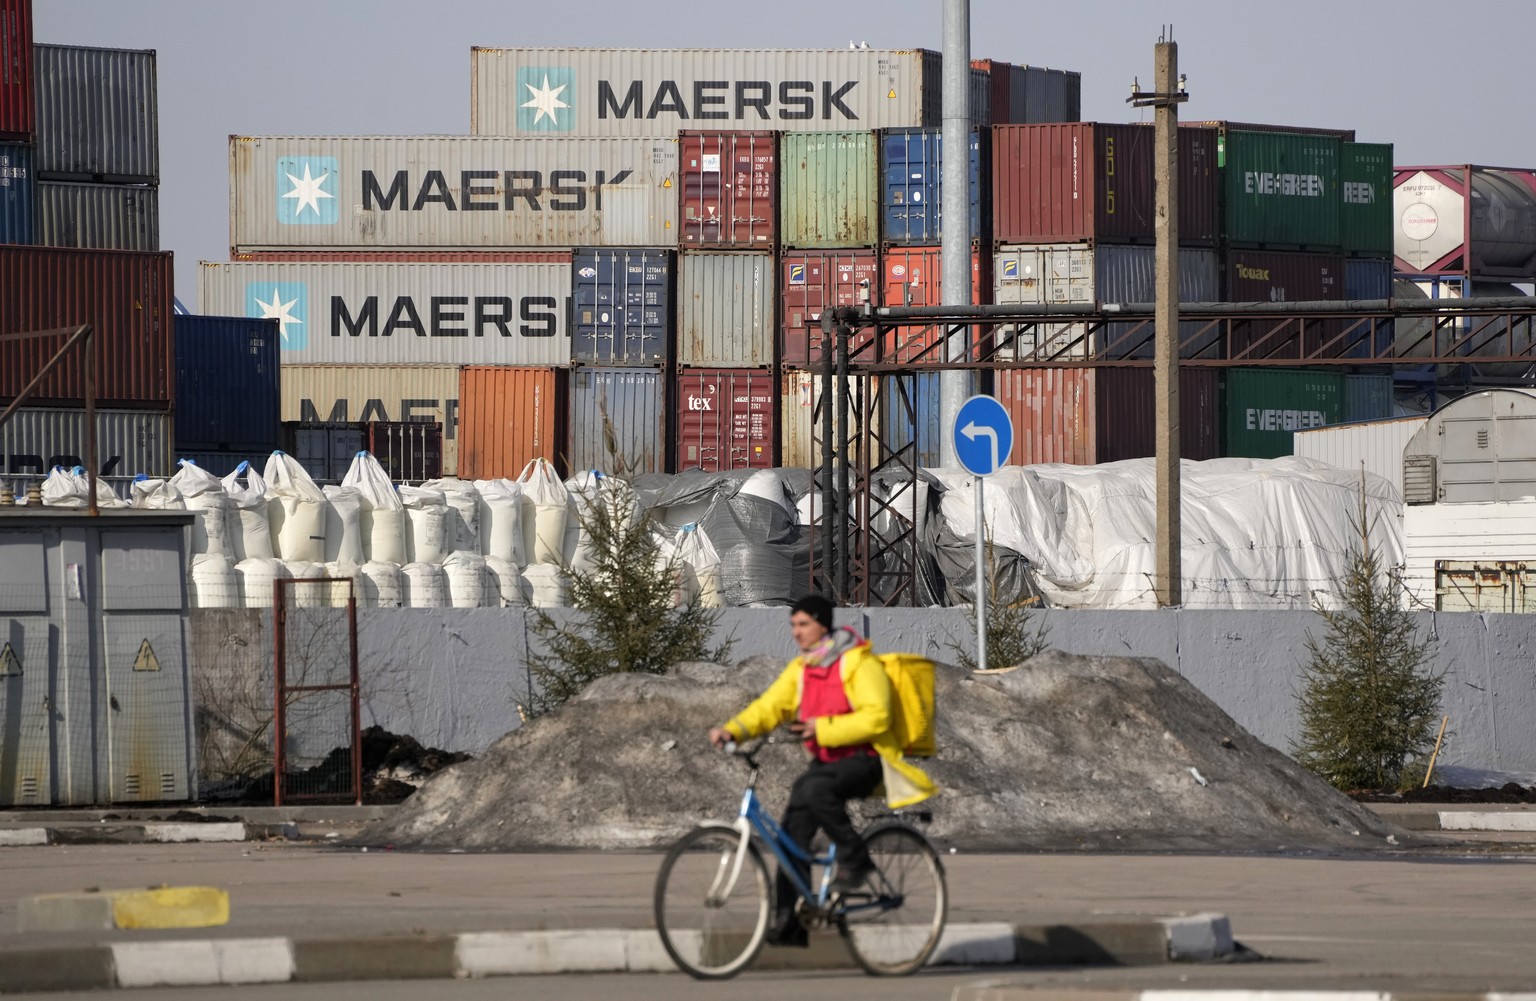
x,y
983,435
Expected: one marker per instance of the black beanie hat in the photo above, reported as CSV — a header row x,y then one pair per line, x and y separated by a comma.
x,y
816,607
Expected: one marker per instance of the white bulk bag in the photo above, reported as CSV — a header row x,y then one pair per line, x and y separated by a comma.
x,y
250,533
146,494
700,564
215,583
203,493
426,523
545,511
508,582
305,595
380,585
343,525
256,577
545,585
425,586
468,583
463,513
383,514
501,520
589,492
296,509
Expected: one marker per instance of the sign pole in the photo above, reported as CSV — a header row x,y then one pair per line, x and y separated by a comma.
x,y
981,578
982,436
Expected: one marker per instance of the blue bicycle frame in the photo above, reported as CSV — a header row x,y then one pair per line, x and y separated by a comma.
x,y
751,817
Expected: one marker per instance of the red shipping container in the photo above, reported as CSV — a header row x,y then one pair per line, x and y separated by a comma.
x,y
725,419
812,280
728,189
1273,276
124,295
1127,413
914,277
17,109
407,256
1053,414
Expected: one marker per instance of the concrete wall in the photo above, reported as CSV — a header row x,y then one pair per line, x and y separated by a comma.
x,y
452,678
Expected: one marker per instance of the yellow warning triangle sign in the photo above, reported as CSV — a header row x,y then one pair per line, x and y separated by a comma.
x,y
9,662
146,660
892,94
667,183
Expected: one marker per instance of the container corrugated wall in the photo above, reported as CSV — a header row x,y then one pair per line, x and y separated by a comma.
x,y
815,280
1126,410
450,191
725,309
126,297
1365,278
1366,226
1264,407
227,395
1368,396
725,419
330,394
98,216
622,307
618,92
405,256
1280,190
829,190
1031,94
1053,414
128,442
1268,276
17,104
624,406
401,314
910,413
18,193
97,114
508,417
913,276
1376,446
728,190
911,187
800,425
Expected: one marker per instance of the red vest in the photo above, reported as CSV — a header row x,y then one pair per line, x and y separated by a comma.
x,y
821,694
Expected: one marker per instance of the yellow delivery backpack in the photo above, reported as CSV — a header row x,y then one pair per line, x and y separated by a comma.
x,y
912,702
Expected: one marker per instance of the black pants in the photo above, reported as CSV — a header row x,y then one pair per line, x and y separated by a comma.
x,y
818,801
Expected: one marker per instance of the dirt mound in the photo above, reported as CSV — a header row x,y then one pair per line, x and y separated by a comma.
x,y
1065,752
1509,792
394,767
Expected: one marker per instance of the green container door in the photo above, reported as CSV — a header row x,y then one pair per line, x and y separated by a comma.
x,y
1365,199
829,190
1280,190
1266,406
1368,397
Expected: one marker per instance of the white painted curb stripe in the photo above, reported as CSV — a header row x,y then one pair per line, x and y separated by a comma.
x,y
24,837
203,963
1487,820
504,954
181,833
1264,996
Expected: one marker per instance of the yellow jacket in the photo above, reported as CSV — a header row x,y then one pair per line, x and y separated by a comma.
x,y
869,694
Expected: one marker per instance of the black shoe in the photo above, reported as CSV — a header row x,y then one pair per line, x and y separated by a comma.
x,y
852,880
788,933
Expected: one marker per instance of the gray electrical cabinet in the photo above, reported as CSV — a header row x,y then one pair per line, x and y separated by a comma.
x,y
95,697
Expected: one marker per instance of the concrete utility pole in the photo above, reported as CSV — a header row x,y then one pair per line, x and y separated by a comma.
x,y
1166,98
955,206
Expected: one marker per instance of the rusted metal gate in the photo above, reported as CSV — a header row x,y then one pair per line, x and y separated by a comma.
x,y
317,715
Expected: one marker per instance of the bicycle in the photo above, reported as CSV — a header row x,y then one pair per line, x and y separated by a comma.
x,y
713,893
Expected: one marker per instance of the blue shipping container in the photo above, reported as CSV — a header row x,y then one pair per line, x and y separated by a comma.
x,y
911,171
1367,278
623,305
630,401
924,419
227,384
17,193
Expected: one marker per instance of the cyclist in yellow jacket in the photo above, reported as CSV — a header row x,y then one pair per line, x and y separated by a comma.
x,y
835,695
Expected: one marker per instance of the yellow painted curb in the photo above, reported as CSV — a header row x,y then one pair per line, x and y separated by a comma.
x,y
170,907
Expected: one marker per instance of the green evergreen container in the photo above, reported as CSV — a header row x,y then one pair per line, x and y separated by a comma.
x,y
1265,406
1365,199
829,189
1368,396
1280,190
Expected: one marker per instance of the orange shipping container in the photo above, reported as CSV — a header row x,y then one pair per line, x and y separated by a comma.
x,y
508,417
1053,414
914,276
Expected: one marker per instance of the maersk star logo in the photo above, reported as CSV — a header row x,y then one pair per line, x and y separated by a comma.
x,y
306,190
285,302
546,99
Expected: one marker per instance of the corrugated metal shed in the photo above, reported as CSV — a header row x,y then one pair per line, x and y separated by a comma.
x,y
621,407
829,189
97,114
128,442
1375,446
227,384
99,216
725,309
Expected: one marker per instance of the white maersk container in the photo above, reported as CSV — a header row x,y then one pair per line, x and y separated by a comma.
x,y
339,394
647,92
450,192
401,314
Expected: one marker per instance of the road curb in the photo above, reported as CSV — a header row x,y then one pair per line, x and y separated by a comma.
x,y
139,834
1003,991
211,962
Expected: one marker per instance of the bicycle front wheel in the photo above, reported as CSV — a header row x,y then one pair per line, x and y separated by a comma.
x,y
712,901
894,924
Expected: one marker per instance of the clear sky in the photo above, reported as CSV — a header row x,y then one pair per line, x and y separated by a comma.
x,y
1447,83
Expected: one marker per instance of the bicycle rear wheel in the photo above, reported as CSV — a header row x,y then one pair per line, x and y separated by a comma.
x,y
711,916
894,924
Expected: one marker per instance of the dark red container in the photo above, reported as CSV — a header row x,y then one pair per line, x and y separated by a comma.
x,y
408,256
811,280
125,296
728,190
1082,182
1126,413
913,276
17,110
1272,276
725,419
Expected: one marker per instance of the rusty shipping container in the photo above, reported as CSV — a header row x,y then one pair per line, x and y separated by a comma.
x,y
440,192
625,407
725,309
725,419
829,189
728,190
1126,413
811,281
124,296
508,417
800,425
1082,182
913,276
98,216
366,394
98,114
17,104
407,256
1053,413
